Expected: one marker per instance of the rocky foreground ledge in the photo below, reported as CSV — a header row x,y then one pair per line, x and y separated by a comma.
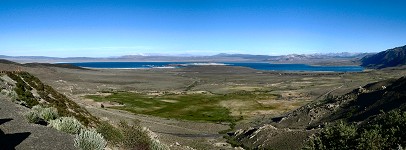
x,y
17,133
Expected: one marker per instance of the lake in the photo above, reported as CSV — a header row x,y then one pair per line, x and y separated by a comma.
x,y
253,65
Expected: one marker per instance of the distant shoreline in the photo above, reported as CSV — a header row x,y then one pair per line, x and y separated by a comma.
x,y
254,65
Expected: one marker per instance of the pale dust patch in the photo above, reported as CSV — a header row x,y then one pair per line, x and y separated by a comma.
x,y
244,88
303,82
196,92
237,107
305,79
169,101
263,112
104,94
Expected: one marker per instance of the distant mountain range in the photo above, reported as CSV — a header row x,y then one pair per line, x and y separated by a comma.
x,y
316,59
390,58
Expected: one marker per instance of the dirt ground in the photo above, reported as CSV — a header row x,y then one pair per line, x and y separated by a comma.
x,y
294,90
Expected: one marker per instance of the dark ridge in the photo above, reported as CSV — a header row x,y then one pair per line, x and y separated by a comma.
x,y
389,58
369,101
4,61
69,66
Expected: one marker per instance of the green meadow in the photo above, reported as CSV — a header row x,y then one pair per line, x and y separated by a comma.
x,y
195,107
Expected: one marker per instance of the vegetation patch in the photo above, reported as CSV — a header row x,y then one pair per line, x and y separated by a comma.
x,y
26,83
23,91
90,140
385,132
67,125
39,114
129,136
195,107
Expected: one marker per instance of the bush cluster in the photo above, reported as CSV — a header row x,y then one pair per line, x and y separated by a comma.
x,y
27,82
124,136
85,139
90,140
112,134
157,145
23,91
32,117
39,113
385,132
129,136
47,114
67,124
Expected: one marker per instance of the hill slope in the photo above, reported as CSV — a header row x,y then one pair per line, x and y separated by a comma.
x,y
389,58
359,106
29,91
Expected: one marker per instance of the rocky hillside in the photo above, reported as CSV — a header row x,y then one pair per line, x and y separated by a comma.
x,y
27,90
389,58
359,106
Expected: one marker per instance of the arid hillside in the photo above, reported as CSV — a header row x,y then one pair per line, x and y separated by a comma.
x,y
360,106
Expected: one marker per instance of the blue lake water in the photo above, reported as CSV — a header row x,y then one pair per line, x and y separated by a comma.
x,y
258,66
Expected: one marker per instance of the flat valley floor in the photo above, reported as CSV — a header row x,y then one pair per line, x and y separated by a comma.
x,y
249,96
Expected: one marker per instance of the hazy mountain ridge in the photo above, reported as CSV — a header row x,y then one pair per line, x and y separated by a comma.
x,y
344,58
389,58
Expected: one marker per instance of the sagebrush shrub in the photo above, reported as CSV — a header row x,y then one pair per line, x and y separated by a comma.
x,y
130,136
37,108
134,136
13,95
157,145
49,113
32,117
39,113
110,133
66,124
90,140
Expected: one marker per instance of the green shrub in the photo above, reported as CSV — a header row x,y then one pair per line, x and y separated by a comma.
x,y
134,137
90,140
32,117
110,133
339,136
157,145
23,91
383,132
39,113
13,95
371,140
66,124
37,108
129,136
49,114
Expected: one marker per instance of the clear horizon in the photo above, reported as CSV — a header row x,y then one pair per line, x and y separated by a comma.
x,y
104,28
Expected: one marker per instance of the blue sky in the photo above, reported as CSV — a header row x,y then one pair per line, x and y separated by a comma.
x,y
101,28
